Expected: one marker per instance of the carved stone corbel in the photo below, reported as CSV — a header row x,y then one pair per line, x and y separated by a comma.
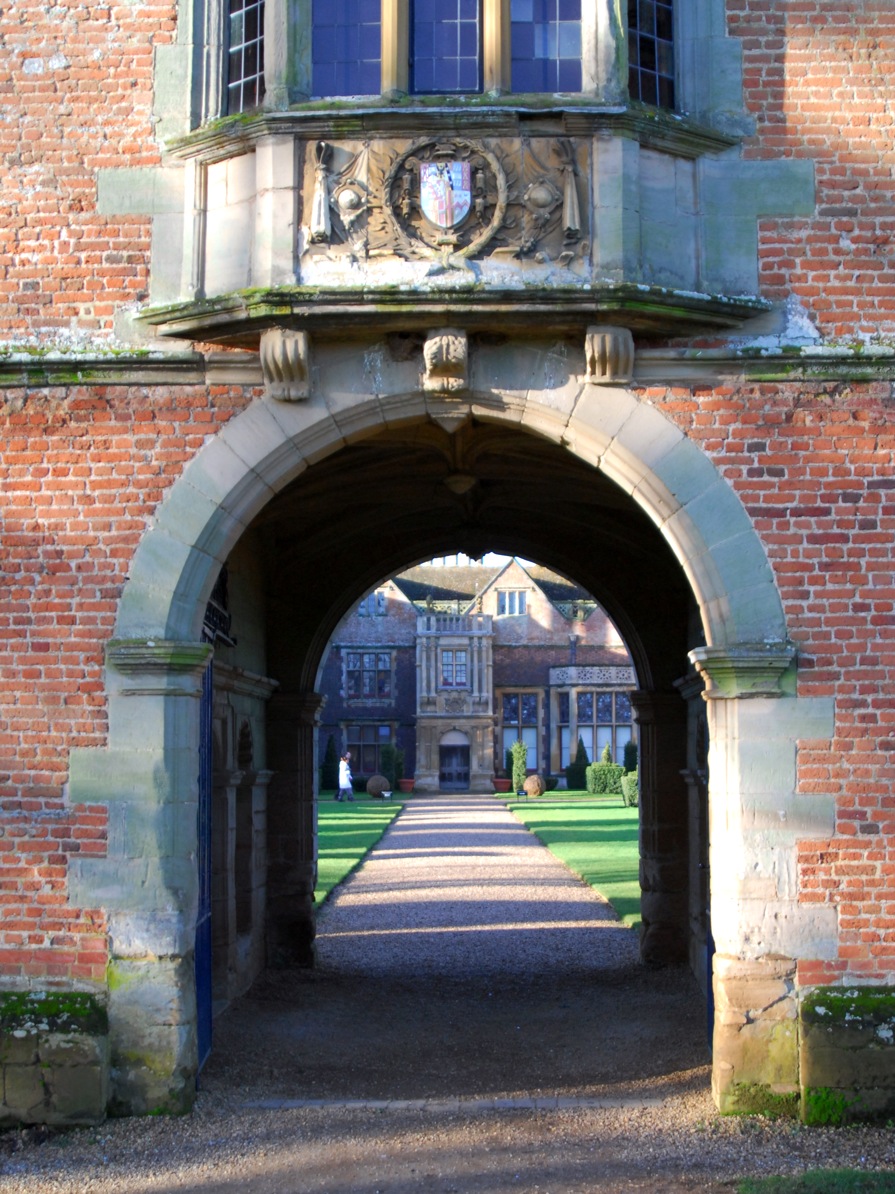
x,y
286,364
609,355
446,357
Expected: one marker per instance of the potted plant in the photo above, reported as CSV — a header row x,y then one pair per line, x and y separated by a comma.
x,y
502,777
404,782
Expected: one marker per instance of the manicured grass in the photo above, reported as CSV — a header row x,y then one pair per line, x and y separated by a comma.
x,y
821,1181
345,834
597,838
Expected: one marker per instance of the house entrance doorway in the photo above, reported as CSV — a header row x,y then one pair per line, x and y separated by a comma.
x,y
453,762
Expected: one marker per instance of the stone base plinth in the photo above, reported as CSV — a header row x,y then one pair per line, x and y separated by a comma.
x,y
54,1059
847,1054
756,1055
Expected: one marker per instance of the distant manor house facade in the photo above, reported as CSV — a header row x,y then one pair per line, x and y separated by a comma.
x,y
453,663
294,296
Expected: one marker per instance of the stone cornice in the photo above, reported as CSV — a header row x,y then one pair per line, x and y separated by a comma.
x,y
651,127
239,319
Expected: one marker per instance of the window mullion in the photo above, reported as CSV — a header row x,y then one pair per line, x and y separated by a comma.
x,y
395,47
496,46
604,52
287,56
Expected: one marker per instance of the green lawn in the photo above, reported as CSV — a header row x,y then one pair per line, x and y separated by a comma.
x,y
822,1181
345,833
596,837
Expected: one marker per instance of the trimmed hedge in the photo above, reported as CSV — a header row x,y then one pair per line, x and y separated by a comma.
x,y
604,779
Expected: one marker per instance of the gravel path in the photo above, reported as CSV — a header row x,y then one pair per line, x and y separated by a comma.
x,y
478,1022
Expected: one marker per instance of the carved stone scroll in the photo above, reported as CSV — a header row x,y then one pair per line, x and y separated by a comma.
x,y
609,355
285,364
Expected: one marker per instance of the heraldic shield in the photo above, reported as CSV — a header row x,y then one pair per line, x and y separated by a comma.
x,y
445,192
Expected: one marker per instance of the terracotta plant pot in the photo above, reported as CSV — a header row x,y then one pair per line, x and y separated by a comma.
x,y
405,785
501,783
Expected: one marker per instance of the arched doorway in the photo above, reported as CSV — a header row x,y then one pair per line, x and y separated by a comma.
x,y
585,478
453,762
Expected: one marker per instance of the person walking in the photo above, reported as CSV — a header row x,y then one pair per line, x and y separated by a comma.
x,y
345,792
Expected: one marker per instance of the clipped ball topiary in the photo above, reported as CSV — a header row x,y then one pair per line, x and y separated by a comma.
x,y
377,784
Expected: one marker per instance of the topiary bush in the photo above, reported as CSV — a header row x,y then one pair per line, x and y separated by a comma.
x,y
576,772
519,752
388,764
629,758
631,789
605,778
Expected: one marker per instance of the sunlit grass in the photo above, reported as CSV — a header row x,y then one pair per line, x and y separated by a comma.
x,y
821,1181
345,833
597,838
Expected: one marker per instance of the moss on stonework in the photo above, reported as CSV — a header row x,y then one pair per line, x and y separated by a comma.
x,y
60,1011
755,1098
871,1006
825,1107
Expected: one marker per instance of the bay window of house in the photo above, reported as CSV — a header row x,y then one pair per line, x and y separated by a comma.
x,y
520,720
453,669
365,740
599,719
368,675
345,48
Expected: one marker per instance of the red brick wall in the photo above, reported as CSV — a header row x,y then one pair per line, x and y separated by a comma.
x,y
76,95
81,472
814,465
820,85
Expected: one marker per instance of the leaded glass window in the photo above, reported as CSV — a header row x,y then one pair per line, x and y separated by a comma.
x,y
445,46
601,719
651,52
365,740
545,41
346,47
368,674
245,60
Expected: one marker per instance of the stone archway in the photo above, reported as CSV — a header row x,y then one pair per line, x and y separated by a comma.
x,y
155,666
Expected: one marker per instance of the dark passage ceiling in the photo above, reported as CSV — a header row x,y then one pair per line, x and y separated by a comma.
x,y
388,501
